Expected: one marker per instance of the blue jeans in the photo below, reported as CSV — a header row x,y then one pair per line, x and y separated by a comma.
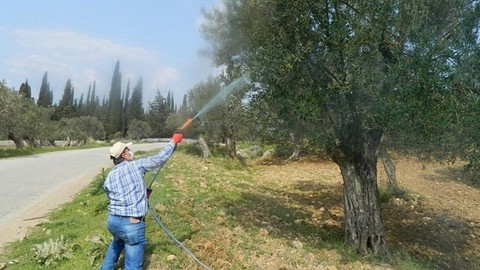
x,y
127,236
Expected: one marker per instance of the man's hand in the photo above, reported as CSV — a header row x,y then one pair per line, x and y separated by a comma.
x,y
177,137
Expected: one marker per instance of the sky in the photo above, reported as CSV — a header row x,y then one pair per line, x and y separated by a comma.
x,y
156,40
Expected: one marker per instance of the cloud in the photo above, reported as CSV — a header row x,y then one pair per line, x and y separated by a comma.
x,y
83,59
164,75
75,45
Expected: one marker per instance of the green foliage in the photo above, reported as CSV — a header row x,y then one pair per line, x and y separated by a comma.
x,y
77,119
50,252
66,108
472,168
96,188
342,75
209,124
6,153
138,130
226,119
25,151
45,96
385,195
25,90
376,66
158,113
21,120
113,122
99,244
80,129
135,108
191,149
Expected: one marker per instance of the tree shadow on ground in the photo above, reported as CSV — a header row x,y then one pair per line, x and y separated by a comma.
x,y
444,240
455,175
313,213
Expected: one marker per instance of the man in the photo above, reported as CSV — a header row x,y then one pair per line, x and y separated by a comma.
x,y
127,192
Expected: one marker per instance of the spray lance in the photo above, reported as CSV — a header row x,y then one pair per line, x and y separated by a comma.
x,y
216,100
185,125
212,103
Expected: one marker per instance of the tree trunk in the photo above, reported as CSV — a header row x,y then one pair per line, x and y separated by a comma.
x,y
203,146
231,142
32,142
389,167
297,145
18,141
364,229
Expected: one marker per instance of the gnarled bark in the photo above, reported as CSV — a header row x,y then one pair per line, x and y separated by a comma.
x,y
203,146
17,140
297,145
364,228
231,142
389,167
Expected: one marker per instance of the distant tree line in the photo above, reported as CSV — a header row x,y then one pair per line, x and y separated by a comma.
x,y
120,115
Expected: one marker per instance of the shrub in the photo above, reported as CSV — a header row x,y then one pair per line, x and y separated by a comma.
x,y
51,251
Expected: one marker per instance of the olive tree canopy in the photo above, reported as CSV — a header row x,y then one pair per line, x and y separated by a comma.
x,y
353,72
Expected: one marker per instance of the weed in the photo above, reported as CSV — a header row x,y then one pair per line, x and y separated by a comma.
x,y
50,252
96,187
99,243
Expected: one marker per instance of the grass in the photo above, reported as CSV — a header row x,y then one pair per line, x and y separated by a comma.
x,y
8,152
231,216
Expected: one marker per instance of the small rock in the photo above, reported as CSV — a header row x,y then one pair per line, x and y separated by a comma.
x,y
2,266
160,207
171,258
297,244
263,232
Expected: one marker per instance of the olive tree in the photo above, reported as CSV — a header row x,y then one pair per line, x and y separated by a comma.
x,y
223,111
353,72
79,130
138,130
21,120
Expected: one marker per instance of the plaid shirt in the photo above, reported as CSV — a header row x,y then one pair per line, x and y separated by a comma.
x,y
125,185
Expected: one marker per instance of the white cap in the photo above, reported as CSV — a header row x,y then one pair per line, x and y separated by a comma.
x,y
117,149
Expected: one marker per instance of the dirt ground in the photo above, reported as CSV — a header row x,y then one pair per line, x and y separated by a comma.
x,y
436,220
441,221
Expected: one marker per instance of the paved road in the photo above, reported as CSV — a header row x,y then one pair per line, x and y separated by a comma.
x,y
31,186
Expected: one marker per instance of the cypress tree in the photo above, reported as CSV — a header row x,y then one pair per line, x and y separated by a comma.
x,y
125,110
87,101
135,107
45,96
81,107
94,101
25,90
184,102
66,105
114,119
